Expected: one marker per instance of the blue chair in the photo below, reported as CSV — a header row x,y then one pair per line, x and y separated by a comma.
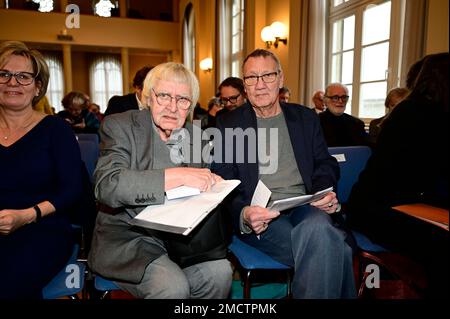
x,y
252,259
89,154
351,160
88,137
105,286
69,281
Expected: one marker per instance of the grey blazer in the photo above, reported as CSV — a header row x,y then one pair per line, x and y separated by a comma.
x,y
124,178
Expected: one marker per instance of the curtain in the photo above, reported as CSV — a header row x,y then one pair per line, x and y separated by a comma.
x,y
413,35
313,49
189,38
55,89
105,79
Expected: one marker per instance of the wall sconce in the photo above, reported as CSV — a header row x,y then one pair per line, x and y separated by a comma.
x,y
64,36
273,34
206,64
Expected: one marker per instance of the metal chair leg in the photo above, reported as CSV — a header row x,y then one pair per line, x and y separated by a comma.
x,y
247,285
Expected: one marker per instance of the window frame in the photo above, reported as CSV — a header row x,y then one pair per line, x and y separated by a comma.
x,y
357,8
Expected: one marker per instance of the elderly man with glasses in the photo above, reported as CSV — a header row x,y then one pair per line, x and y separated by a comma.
x,y
303,237
340,128
143,154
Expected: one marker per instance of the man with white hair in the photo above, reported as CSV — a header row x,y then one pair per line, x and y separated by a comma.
x,y
340,128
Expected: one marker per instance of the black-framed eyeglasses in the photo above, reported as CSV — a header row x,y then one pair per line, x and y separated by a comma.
x,y
165,99
336,98
266,78
23,78
232,99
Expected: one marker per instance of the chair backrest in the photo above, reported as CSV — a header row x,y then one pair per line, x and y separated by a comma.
x,y
352,160
89,155
88,137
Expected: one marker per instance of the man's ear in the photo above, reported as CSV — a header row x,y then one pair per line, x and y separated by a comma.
x,y
281,79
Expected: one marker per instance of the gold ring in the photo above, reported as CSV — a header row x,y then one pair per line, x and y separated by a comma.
x,y
330,204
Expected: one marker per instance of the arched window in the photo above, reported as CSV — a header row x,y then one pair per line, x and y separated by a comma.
x,y
105,79
231,37
55,89
189,38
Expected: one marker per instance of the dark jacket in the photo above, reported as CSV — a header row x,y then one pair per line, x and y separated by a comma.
x,y
317,167
119,104
410,163
90,119
343,130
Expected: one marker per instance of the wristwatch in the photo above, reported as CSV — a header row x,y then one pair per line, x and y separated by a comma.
x,y
38,213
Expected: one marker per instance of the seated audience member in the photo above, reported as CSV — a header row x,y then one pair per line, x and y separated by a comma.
x,y
142,156
410,165
303,237
43,106
317,100
231,94
132,101
214,106
76,113
200,114
40,178
284,94
95,109
339,128
394,97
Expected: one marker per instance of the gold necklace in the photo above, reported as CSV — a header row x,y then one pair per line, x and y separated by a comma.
x,y
6,137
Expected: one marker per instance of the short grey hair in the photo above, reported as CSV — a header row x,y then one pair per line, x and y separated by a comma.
x,y
334,85
265,54
174,72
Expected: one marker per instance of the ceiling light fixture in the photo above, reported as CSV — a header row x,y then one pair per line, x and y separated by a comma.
x,y
103,8
44,5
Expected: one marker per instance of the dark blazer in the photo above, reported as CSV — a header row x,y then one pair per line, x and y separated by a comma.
x,y
119,104
374,129
343,130
318,168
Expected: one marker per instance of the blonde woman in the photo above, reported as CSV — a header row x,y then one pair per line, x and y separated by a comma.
x,y
36,189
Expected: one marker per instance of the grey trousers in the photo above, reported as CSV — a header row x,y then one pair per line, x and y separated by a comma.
x,y
306,239
164,279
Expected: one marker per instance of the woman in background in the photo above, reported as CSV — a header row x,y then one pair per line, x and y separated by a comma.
x,y
77,114
395,96
410,165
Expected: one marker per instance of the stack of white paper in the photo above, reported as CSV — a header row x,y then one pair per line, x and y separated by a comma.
x,y
262,195
181,191
182,215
